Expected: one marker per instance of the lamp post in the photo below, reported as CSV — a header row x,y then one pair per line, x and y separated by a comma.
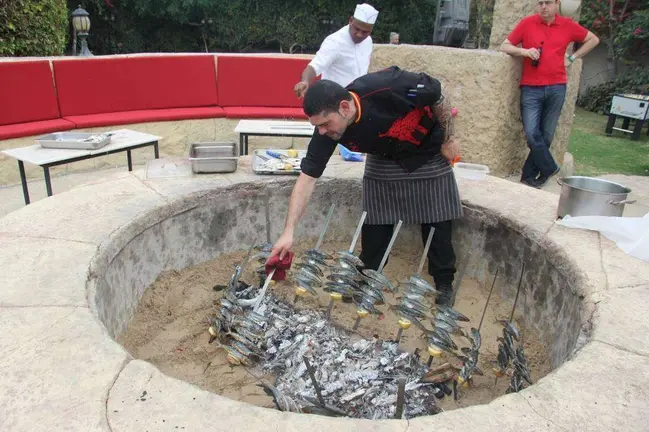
x,y
81,24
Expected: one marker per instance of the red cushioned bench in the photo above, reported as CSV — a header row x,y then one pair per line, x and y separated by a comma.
x,y
114,91
259,87
28,104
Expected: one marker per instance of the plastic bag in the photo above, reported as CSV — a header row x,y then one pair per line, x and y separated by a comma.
x,y
349,155
630,234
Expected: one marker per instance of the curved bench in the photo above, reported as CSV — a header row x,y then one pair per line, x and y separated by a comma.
x,y
66,93
62,370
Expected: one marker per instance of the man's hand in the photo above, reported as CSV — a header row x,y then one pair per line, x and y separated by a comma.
x,y
532,53
450,150
300,89
282,246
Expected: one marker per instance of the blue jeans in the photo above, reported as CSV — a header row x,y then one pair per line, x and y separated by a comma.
x,y
540,110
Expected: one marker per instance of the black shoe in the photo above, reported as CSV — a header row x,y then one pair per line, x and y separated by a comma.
x,y
531,183
446,291
542,180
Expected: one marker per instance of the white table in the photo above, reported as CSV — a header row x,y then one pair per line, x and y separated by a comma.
x,y
121,140
294,129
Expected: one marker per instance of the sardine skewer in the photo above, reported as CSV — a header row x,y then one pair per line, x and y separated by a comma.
x,y
362,313
314,381
461,273
403,325
263,290
518,291
429,240
357,233
387,251
326,226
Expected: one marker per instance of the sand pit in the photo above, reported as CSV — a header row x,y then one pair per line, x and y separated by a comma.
x,y
169,329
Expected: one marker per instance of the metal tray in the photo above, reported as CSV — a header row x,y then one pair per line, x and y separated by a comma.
x,y
74,140
214,157
259,156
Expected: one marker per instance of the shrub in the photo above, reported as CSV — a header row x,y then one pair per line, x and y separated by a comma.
x,y
598,98
33,27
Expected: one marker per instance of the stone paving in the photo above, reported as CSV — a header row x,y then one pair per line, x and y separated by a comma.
x,y
62,371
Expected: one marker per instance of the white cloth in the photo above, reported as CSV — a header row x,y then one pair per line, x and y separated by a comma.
x,y
340,60
366,13
631,234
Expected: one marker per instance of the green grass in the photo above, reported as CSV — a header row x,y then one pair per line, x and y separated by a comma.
x,y
597,154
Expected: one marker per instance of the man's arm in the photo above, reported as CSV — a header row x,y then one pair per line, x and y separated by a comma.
x,y
443,110
300,197
308,75
322,60
590,42
508,48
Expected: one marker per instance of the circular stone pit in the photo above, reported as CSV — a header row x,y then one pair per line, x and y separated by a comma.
x,y
79,262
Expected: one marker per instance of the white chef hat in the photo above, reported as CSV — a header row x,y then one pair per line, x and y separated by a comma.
x,y
366,13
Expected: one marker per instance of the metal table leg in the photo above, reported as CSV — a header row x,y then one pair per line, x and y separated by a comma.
x,y
129,159
637,130
240,144
610,124
156,150
48,182
246,138
23,180
625,123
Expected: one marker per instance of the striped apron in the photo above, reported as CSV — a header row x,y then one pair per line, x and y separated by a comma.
x,y
427,195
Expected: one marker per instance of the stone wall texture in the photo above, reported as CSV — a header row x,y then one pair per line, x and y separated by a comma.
x,y
507,13
484,86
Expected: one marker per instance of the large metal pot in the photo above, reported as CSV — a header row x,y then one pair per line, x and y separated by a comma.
x,y
587,196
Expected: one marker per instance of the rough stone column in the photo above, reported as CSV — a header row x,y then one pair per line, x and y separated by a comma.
x,y
507,13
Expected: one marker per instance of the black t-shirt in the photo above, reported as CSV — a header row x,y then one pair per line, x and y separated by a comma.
x,y
395,122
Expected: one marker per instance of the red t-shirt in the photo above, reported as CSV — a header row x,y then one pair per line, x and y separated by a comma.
x,y
553,39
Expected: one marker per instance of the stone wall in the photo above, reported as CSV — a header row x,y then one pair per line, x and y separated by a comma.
x,y
483,85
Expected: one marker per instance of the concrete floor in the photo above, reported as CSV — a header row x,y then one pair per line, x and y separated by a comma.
x,y
11,197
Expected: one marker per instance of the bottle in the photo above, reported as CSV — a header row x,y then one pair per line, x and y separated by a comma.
x,y
535,63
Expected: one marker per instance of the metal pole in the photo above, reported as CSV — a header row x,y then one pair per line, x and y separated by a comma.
x,y
311,371
387,251
484,311
458,281
518,291
426,247
263,290
359,227
401,398
267,211
326,225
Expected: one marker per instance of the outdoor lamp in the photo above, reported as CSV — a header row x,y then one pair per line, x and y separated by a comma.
x,y
81,24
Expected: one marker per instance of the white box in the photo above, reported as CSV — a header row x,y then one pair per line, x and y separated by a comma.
x,y
631,106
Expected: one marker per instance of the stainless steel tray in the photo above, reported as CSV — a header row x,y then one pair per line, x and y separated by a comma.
x,y
259,157
74,140
217,157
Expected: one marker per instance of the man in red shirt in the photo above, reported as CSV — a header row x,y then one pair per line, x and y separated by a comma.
x,y
544,38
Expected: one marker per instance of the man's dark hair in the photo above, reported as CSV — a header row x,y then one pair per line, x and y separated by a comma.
x,y
324,97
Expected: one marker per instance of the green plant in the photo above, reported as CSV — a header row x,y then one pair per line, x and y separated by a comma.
x,y
33,27
598,98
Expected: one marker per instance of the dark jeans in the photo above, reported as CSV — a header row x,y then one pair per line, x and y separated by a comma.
x,y
441,256
540,111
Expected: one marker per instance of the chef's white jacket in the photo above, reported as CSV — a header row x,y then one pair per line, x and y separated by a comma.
x,y
340,60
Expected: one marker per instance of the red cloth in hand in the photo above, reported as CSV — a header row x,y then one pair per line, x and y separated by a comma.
x,y
280,266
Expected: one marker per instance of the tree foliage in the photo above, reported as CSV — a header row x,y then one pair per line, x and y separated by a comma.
x,y
33,27
623,26
122,26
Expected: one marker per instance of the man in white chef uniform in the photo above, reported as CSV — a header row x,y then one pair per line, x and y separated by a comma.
x,y
344,55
